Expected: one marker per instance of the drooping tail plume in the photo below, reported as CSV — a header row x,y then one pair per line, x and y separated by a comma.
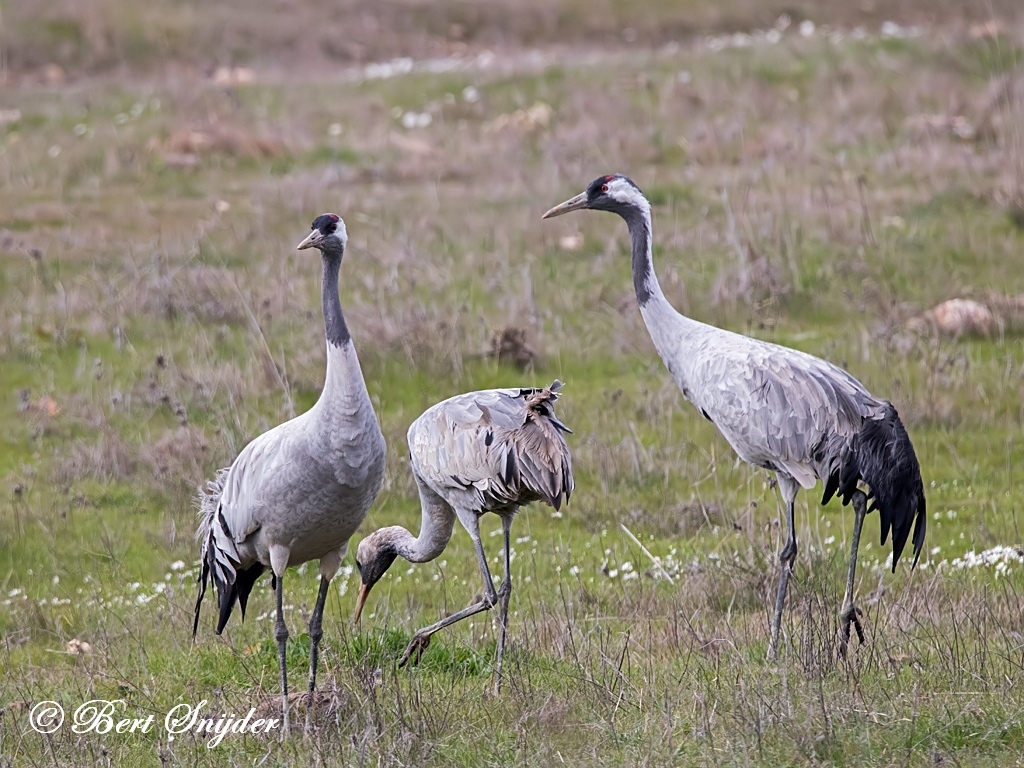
x,y
219,557
882,456
546,465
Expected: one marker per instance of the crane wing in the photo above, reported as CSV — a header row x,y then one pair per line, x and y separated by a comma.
x,y
781,408
479,448
264,473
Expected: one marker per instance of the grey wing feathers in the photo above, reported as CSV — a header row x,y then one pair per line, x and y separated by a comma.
x,y
784,409
796,413
544,460
494,449
229,511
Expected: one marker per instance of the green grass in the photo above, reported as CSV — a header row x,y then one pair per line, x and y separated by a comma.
x,y
170,329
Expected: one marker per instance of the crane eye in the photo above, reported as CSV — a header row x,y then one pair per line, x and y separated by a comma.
x,y
604,187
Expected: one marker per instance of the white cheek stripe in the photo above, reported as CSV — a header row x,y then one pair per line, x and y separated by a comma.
x,y
627,194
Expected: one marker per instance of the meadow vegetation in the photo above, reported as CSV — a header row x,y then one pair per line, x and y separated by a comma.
x,y
816,184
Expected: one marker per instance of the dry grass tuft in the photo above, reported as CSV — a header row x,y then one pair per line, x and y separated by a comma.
x,y
1015,208
509,346
189,146
753,280
111,457
200,293
1009,310
177,459
331,706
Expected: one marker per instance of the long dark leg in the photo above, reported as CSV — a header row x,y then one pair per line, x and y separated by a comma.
x,y
421,639
316,631
281,635
850,612
787,557
504,593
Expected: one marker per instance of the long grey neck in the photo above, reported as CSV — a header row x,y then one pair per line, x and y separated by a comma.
x,y
645,281
436,526
672,332
334,320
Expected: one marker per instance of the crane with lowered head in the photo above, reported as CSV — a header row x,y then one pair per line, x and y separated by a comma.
x,y
489,451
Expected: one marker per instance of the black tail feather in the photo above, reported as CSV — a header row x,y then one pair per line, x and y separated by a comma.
x,y
207,574
204,574
228,594
882,456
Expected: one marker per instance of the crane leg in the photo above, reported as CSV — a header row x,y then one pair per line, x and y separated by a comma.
x,y
787,557
421,640
504,593
281,635
316,631
850,613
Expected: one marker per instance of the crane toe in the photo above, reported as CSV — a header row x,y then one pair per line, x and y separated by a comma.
x,y
414,651
850,615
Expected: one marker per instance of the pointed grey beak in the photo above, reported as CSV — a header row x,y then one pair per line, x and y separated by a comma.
x,y
572,204
364,591
311,240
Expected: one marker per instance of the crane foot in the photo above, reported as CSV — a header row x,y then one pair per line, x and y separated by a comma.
x,y
850,615
419,644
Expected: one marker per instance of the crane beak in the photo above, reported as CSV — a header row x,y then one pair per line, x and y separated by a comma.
x,y
311,240
572,204
364,590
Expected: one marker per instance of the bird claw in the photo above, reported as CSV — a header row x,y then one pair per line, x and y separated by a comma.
x,y
850,614
418,645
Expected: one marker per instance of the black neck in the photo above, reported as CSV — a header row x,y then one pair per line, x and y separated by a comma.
x,y
334,320
643,271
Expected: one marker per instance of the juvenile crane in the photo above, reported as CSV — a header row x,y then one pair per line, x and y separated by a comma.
x,y
489,451
298,492
786,411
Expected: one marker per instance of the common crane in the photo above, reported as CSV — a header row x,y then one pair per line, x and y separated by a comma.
x,y
299,491
489,451
786,411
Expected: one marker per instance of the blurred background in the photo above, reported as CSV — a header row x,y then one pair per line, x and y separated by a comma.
x,y
845,178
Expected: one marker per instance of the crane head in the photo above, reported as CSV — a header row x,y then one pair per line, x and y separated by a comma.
x,y
616,193
327,233
374,556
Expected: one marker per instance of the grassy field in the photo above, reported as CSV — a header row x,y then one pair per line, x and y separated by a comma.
x,y
818,184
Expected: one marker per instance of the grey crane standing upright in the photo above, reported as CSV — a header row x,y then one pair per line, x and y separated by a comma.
x,y
795,414
489,451
299,491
